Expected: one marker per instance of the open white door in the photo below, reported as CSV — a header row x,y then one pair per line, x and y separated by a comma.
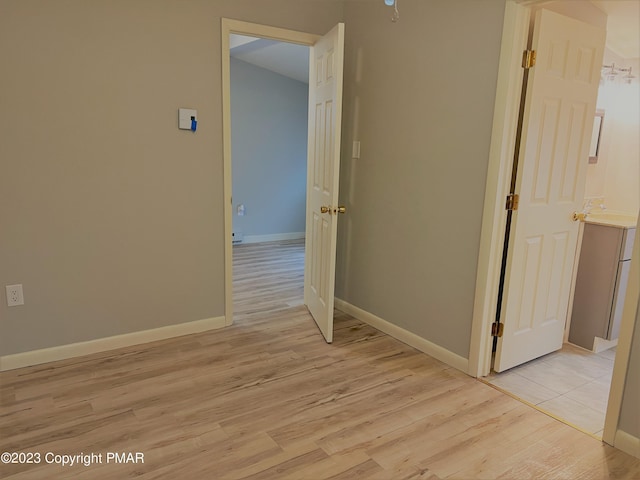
x,y
323,168
558,118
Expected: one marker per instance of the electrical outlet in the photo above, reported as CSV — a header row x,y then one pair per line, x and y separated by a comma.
x,y
14,295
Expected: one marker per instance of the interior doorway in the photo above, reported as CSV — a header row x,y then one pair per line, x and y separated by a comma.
x,y
573,383
269,111
326,61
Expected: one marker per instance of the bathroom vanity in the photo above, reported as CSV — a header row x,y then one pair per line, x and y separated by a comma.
x,y
601,282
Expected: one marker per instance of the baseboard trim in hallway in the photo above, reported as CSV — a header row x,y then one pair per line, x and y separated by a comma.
x,y
405,336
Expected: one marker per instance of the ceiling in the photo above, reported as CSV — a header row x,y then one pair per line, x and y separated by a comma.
x,y
623,26
288,59
291,60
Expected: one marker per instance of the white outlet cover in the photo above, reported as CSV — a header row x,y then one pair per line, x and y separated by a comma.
x,y
15,296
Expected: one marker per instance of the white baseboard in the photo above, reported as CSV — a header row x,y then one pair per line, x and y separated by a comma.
x,y
274,237
64,352
405,336
627,443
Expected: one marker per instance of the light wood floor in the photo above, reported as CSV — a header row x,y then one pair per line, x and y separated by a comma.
x,y
268,398
267,277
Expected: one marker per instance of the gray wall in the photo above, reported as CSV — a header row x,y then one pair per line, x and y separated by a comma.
x,y
110,216
269,150
419,95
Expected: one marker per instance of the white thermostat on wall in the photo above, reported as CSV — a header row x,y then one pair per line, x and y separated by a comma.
x,y
187,119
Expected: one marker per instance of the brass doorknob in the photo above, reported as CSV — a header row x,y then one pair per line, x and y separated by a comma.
x,y
341,209
324,209
579,217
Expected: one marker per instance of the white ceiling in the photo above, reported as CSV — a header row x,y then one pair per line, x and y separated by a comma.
x,y
623,26
291,60
288,59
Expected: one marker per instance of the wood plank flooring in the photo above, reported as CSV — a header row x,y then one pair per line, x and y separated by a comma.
x,y
267,398
267,277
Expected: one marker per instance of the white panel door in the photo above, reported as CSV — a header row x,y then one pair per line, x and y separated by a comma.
x,y
558,118
323,168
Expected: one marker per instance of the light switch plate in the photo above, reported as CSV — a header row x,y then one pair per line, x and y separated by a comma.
x,y
355,150
184,118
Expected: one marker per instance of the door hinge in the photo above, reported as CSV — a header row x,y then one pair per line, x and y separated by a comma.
x,y
528,58
513,199
497,329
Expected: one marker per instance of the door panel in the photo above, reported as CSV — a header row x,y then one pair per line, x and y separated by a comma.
x,y
558,118
325,100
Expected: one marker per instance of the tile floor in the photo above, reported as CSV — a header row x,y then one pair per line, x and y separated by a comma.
x,y
572,384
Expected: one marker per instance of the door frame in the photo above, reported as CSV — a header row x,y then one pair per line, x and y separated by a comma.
x,y
229,26
509,84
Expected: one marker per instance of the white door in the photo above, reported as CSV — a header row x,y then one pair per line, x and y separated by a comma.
x,y
323,168
558,118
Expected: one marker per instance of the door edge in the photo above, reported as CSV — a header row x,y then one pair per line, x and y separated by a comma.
x,y
507,105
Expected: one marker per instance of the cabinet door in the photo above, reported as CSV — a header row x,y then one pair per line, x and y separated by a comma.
x,y
595,284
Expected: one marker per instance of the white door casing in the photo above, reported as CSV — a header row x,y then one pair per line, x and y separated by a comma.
x,y
558,117
229,26
323,168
